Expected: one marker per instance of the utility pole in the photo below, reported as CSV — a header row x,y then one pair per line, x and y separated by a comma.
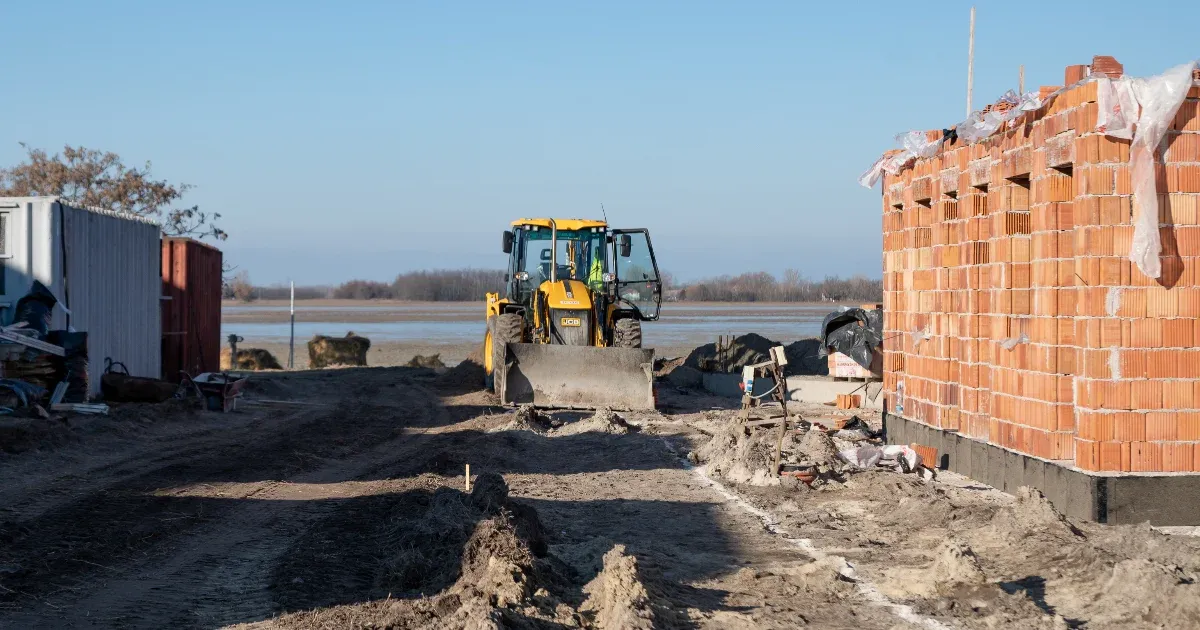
x,y
1021,82
971,62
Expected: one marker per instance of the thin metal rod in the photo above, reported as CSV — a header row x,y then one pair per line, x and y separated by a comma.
x,y
553,251
292,335
971,62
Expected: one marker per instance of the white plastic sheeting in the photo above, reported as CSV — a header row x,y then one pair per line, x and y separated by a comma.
x,y
1142,110
978,126
914,145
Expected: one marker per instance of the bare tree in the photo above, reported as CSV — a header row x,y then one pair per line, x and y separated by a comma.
x,y
91,178
763,287
241,289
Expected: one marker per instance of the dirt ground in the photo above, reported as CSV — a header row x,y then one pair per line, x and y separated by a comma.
x,y
337,499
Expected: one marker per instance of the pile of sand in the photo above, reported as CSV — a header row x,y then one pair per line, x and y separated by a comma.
x,y
803,357
466,376
431,362
481,561
527,418
745,350
617,599
603,421
955,565
816,448
739,458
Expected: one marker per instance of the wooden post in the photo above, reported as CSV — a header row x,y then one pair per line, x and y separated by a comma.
x,y
971,62
781,393
292,334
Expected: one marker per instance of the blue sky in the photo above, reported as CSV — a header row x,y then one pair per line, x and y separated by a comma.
x,y
361,139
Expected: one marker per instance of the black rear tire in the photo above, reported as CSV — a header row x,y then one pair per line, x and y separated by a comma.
x,y
627,333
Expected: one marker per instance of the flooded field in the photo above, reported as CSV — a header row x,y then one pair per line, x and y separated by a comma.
x,y
681,324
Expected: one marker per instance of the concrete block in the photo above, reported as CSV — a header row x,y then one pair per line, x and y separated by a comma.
x,y
994,473
979,461
1081,496
1034,473
1162,500
1014,471
1055,487
1159,499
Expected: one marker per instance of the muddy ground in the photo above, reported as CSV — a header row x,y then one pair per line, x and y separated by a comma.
x,y
337,499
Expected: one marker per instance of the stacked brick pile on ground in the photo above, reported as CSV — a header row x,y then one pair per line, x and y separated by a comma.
x,y
1013,312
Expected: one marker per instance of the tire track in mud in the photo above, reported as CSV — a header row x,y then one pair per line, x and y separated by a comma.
x,y
134,555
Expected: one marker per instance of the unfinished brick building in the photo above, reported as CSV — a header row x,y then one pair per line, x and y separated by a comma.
x,y
1014,314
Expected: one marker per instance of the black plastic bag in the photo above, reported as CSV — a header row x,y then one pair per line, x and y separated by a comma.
x,y
854,332
34,308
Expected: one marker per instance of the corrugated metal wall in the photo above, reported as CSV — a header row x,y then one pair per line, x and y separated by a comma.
x,y
191,319
103,266
112,284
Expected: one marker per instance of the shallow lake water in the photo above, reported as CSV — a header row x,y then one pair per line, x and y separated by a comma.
x,y
679,325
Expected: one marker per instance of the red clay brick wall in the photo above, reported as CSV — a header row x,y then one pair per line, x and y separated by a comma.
x,y
1026,236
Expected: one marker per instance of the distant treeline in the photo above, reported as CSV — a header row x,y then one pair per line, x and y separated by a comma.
x,y
764,287
469,285
280,292
441,285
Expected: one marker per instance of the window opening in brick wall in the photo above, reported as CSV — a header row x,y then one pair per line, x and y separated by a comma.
x,y
1017,219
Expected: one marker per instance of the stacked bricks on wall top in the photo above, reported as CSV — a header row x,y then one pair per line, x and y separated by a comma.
x,y
1013,312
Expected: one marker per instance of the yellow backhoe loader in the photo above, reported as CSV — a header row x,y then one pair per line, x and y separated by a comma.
x,y
568,331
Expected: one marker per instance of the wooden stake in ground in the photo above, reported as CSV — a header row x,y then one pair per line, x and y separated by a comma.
x,y
468,479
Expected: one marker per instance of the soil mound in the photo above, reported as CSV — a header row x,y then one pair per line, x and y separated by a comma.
x,y
1140,593
745,350
1033,515
603,421
527,418
617,599
955,565
818,449
18,435
740,458
468,375
431,362
250,359
803,358
477,560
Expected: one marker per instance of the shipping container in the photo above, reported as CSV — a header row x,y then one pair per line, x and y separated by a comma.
x,y
191,307
103,267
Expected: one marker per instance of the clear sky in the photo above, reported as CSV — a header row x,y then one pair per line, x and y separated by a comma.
x,y
361,139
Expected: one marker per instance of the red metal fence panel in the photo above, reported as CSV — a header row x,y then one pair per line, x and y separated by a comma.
x,y
191,317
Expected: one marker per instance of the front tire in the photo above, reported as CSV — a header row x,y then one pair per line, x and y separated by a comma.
x,y
505,328
627,333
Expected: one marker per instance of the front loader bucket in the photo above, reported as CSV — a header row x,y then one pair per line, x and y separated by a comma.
x,y
576,377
